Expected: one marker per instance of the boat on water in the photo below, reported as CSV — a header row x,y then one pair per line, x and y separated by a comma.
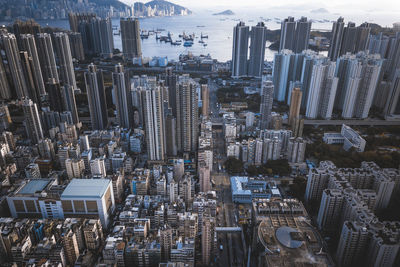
x,y
204,36
201,41
188,43
204,44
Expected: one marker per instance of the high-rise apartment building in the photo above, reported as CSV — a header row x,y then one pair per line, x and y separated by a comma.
x,y
296,150
295,35
5,91
187,114
69,103
205,99
295,103
14,62
55,97
63,50
154,123
258,38
130,36
359,75
288,29
267,94
33,124
121,87
28,44
76,45
330,210
98,167
336,41
96,97
392,106
46,57
240,50
322,90
207,239
352,244
349,39
204,177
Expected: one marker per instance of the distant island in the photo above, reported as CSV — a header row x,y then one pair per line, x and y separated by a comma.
x,y
11,10
320,10
227,12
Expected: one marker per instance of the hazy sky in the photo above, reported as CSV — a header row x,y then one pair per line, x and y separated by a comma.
x,y
332,6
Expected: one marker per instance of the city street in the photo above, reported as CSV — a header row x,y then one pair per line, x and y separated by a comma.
x,y
232,252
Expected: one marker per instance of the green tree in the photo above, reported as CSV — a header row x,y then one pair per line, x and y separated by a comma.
x,y
233,165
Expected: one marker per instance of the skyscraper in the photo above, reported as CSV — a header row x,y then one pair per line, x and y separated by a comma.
x,y
187,114
392,107
26,63
205,98
362,37
29,44
46,57
96,97
295,35
287,71
68,96
204,177
330,210
55,96
303,29
288,29
337,37
295,103
258,38
14,63
359,75
122,97
171,81
207,239
32,122
76,45
267,94
154,123
296,150
130,36
5,92
349,39
322,90
106,37
240,50
67,73
352,244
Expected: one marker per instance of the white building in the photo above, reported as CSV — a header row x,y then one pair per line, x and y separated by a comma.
x,y
89,197
74,168
296,150
98,167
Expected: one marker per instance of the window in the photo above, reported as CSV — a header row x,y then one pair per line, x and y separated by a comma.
x,y
79,206
67,205
30,206
19,205
108,200
91,206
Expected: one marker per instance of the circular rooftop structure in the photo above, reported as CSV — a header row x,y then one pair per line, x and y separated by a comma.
x,y
289,237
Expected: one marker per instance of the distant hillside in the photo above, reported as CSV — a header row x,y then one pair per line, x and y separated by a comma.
x,y
11,9
227,12
115,3
165,5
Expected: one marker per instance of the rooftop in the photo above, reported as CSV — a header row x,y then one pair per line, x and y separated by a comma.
x,y
87,188
34,186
